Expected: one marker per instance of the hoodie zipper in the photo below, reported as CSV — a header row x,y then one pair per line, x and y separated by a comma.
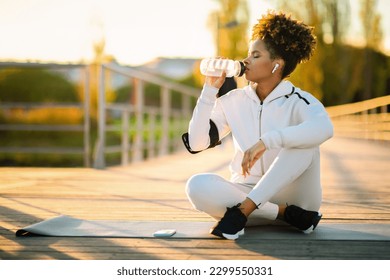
x,y
261,159
260,119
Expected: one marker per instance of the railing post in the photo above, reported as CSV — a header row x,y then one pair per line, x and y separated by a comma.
x,y
125,137
384,109
186,105
87,126
152,133
165,113
139,115
99,155
365,124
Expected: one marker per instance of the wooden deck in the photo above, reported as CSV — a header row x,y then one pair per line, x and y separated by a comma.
x,y
356,183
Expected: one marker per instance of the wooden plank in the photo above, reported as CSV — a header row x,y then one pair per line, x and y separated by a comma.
x,y
358,106
355,188
219,249
49,105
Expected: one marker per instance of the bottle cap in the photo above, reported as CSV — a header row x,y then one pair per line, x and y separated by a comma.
x,y
242,70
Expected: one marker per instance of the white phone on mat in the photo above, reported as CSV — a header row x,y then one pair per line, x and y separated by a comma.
x,y
164,233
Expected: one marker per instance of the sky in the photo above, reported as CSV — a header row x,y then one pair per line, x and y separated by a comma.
x,y
136,31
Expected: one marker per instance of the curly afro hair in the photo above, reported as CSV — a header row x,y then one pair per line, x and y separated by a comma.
x,y
285,38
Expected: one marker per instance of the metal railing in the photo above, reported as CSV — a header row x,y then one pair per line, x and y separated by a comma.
x,y
368,119
83,127
145,131
138,119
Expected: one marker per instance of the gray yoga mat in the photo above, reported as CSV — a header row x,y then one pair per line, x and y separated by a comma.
x,y
65,226
68,226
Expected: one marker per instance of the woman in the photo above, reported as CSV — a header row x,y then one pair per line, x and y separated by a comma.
x,y
277,129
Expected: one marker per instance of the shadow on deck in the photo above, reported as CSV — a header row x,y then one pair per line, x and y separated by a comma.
x,y
356,191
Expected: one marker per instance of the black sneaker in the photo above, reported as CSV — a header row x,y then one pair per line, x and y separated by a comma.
x,y
302,219
231,226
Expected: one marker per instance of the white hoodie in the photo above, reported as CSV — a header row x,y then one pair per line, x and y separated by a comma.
x,y
288,118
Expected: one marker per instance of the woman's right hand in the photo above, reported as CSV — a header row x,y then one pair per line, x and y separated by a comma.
x,y
252,155
216,82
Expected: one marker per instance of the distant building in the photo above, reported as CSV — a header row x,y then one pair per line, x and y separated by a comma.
x,y
174,68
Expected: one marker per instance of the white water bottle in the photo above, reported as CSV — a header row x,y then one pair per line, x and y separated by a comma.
x,y
215,66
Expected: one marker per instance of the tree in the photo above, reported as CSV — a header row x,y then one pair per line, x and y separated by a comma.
x,y
340,73
309,76
35,85
371,23
373,36
230,25
94,68
336,18
230,29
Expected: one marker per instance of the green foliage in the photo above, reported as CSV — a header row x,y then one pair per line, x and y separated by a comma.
x,y
35,85
339,73
345,75
230,25
41,139
122,94
152,97
125,94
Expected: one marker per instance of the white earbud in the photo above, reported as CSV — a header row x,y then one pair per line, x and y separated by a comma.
x,y
275,68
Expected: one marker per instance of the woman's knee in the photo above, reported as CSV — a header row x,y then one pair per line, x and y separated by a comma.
x,y
308,152
296,159
194,183
197,190
199,183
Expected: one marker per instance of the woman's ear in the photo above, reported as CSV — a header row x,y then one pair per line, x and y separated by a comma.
x,y
278,64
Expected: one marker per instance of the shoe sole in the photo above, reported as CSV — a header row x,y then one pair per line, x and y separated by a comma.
x,y
233,236
227,235
315,221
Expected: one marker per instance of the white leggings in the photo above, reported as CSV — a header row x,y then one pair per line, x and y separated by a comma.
x,y
293,178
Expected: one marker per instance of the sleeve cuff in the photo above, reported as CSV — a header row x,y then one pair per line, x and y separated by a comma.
x,y
209,94
272,139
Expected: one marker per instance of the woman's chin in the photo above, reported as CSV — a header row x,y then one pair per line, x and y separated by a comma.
x,y
247,77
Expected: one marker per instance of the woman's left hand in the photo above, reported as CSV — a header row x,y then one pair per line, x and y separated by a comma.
x,y
216,82
251,156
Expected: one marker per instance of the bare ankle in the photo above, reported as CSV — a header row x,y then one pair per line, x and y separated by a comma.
x,y
247,207
282,209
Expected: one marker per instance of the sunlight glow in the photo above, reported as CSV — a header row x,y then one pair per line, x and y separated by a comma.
x,y
134,31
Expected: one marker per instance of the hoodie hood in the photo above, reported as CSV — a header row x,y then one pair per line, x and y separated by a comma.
x,y
282,89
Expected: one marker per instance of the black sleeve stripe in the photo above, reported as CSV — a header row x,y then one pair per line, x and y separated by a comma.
x,y
186,143
304,99
213,134
292,91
